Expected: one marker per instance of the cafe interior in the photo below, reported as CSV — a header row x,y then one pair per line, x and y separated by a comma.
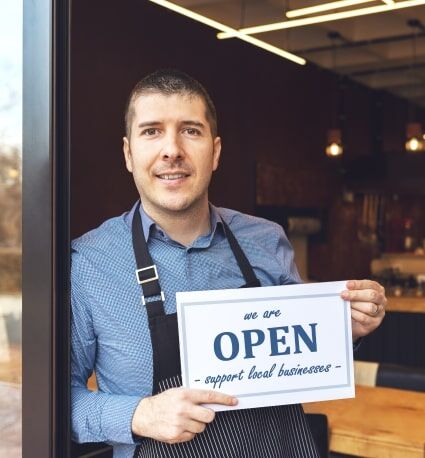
x,y
321,111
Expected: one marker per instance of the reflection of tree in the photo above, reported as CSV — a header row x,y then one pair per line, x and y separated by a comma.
x,y
10,175
10,197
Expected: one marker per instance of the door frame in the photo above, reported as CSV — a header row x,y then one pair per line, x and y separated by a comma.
x,y
45,244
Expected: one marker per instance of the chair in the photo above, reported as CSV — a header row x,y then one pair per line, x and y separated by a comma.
x,y
389,375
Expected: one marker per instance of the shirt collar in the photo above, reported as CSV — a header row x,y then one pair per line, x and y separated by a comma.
x,y
215,219
148,224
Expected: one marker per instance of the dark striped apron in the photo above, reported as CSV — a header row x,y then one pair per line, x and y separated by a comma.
x,y
268,432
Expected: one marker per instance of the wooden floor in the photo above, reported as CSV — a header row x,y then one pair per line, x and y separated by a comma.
x,y
11,405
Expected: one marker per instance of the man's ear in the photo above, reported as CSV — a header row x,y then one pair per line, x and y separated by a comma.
x,y
216,152
127,154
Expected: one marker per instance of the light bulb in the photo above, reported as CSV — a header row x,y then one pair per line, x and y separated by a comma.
x,y
334,149
415,145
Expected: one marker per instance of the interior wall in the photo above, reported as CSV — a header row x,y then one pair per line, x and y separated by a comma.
x,y
114,44
270,111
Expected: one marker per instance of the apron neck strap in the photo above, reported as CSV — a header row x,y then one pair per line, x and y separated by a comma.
x,y
251,279
147,273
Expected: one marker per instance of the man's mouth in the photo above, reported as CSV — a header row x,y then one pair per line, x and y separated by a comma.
x,y
172,176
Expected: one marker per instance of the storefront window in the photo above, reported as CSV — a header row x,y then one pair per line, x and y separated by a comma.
x,y
10,228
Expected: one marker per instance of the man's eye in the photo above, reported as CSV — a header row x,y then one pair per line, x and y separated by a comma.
x,y
149,132
193,131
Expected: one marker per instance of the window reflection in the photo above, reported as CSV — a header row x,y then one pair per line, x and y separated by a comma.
x,y
10,228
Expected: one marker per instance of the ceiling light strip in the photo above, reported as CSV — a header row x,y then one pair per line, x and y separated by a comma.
x,y
325,18
229,30
325,7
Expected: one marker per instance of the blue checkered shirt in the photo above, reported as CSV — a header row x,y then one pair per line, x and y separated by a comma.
x,y
110,333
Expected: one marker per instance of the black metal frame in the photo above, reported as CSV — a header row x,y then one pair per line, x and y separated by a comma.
x,y
46,250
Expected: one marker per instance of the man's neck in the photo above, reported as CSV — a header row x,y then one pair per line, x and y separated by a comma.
x,y
183,227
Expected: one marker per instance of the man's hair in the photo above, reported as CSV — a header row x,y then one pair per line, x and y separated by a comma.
x,y
169,82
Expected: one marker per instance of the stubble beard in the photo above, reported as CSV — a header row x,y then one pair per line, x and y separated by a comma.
x,y
180,207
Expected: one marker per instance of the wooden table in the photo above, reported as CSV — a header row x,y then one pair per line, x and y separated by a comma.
x,y
379,422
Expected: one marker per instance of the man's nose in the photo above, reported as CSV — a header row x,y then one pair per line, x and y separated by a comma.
x,y
172,147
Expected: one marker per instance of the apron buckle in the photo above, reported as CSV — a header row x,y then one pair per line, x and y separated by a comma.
x,y
142,275
162,298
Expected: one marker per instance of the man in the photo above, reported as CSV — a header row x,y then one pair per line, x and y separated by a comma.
x,y
124,325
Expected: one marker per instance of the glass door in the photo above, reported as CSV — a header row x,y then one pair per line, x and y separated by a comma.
x,y
10,229
45,241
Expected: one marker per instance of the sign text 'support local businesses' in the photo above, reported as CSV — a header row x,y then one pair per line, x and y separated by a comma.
x,y
268,346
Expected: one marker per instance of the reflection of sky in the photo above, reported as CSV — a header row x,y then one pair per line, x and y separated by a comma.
x,y
11,71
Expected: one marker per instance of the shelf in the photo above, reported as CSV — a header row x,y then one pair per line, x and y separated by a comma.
x,y
406,304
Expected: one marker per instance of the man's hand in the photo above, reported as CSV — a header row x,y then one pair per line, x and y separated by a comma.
x,y
176,415
368,303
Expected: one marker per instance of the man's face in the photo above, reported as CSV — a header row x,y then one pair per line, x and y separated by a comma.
x,y
171,152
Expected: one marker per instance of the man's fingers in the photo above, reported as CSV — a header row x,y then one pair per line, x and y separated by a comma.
x,y
364,284
367,300
211,397
370,296
366,318
183,437
177,414
203,414
195,427
360,317
368,308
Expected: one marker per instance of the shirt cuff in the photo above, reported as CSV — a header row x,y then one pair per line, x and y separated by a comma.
x,y
117,416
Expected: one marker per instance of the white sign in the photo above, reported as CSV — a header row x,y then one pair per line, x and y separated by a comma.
x,y
268,346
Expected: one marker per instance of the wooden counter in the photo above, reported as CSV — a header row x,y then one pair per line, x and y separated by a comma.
x,y
379,422
406,304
